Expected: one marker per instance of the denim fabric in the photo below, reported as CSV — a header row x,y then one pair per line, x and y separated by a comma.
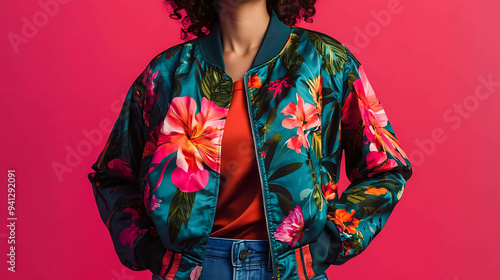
x,y
238,259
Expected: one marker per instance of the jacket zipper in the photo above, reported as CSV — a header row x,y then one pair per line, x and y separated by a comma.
x,y
245,83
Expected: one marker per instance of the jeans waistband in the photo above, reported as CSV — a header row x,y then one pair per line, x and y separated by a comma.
x,y
241,252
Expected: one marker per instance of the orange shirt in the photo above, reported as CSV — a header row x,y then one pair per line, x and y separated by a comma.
x,y
240,209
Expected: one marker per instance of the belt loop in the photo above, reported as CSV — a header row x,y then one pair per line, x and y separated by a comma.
x,y
235,249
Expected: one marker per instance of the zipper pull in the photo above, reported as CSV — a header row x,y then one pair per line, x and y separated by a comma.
x,y
276,278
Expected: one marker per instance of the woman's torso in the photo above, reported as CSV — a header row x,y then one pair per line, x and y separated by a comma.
x,y
240,209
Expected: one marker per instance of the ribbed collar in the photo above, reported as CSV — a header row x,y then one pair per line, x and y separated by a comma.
x,y
275,38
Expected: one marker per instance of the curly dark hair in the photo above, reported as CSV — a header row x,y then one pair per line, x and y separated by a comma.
x,y
200,15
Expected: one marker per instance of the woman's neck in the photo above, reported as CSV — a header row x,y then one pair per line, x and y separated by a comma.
x,y
242,25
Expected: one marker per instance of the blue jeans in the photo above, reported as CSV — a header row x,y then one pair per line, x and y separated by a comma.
x,y
238,259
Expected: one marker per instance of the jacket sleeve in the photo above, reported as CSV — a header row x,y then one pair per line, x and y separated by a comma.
x,y
116,185
375,164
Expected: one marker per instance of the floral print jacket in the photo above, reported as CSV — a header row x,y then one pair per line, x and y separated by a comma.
x,y
156,180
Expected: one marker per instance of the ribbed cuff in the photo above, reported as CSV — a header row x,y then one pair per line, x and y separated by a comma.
x,y
149,253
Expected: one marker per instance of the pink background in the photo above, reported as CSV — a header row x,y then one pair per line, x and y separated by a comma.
x,y
424,63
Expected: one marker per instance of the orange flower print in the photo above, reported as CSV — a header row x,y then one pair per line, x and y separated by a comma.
x,y
254,82
193,138
376,191
344,220
330,190
315,90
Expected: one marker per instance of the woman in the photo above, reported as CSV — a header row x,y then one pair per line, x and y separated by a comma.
x,y
225,158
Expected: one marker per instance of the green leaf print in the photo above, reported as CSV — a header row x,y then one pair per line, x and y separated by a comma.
x,y
284,197
334,55
291,58
317,192
332,130
177,84
370,210
271,144
318,197
353,198
171,52
179,211
215,86
316,144
284,203
285,170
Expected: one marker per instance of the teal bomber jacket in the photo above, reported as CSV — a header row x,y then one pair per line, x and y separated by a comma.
x,y
156,180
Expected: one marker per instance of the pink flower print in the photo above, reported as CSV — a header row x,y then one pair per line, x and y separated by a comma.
x,y
151,96
303,116
194,139
130,234
155,203
278,85
120,168
298,141
150,145
290,230
378,161
363,104
195,273
146,196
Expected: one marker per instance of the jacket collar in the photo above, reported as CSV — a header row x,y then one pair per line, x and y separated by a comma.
x,y
275,38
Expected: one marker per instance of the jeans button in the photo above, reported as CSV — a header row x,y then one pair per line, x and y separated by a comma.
x,y
244,254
